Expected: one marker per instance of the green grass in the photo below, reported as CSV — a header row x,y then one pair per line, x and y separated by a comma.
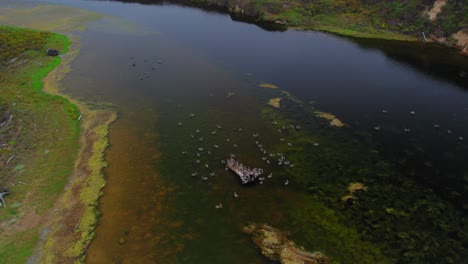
x,y
19,247
44,130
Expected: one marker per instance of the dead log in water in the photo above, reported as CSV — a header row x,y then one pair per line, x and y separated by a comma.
x,y
245,173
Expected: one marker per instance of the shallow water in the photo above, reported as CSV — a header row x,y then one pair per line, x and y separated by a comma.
x,y
157,64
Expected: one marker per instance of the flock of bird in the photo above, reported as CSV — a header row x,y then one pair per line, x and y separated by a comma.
x,y
204,150
407,130
147,73
269,158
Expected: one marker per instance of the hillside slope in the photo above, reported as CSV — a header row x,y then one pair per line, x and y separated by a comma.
x,y
444,21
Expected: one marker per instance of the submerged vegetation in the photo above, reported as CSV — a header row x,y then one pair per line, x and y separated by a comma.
x,y
360,206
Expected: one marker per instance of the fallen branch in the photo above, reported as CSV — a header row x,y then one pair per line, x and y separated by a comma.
x,y
4,192
11,158
77,225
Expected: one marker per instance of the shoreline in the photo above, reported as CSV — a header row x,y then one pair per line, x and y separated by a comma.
x,y
60,228
81,196
271,22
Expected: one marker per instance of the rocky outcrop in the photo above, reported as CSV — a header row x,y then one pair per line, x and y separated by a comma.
x,y
52,52
462,40
276,247
436,9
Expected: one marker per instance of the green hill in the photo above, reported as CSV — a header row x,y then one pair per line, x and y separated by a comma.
x,y
390,19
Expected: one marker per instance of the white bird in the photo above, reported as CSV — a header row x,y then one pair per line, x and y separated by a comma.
x,y
180,123
412,112
197,161
460,138
192,115
219,206
286,182
290,144
240,129
200,139
200,149
274,123
377,128
213,132
270,175
235,195
315,144
204,178
198,131
282,139
194,174
449,131
436,126
215,146
385,111
218,126
407,130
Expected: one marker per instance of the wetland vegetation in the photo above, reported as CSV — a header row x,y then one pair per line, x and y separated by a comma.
x,y
362,150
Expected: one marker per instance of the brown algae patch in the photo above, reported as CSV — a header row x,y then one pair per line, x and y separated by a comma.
x,y
333,120
268,85
275,102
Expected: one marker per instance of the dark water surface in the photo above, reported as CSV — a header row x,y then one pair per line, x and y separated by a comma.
x,y
157,64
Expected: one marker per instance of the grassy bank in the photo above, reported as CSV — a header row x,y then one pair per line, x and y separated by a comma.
x,y
394,20
54,165
42,136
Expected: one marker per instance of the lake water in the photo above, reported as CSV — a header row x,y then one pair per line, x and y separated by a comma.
x,y
405,106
